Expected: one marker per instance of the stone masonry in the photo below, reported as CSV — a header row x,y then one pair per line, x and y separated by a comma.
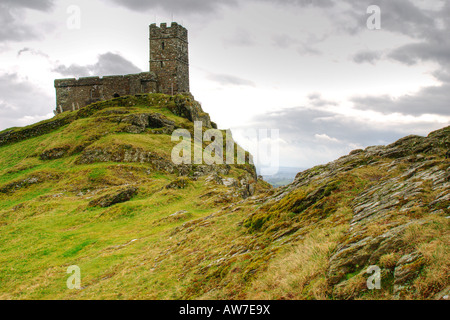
x,y
169,58
169,73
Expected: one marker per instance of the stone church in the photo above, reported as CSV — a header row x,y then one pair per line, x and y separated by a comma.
x,y
169,73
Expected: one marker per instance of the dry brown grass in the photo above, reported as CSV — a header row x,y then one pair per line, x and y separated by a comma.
x,y
300,272
432,240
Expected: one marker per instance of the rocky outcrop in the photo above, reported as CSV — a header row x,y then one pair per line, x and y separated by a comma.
x,y
186,107
54,153
114,198
181,105
245,187
142,121
180,183
129,153
117,153
354,256
408,266
35,178
389,190
17,135
422,189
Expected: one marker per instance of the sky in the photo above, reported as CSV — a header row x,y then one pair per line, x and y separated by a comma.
x,y
313,74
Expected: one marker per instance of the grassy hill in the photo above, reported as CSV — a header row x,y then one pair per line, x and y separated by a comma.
x,y
96,188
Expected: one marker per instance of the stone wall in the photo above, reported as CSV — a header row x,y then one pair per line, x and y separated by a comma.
x,y
73,94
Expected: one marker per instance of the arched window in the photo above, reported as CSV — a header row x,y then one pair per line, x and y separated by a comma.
x,y
163,45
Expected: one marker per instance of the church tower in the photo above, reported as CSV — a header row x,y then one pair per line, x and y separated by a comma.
x,y
169,58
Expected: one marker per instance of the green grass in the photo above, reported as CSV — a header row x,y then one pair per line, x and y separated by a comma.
x,y
220,248
48,226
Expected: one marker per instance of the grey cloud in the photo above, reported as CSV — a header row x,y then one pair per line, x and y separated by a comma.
x,y
316,100
175,6
42,5
226,80
434,45
404,17
303,124
367,56
240,38
32,52
11,30
429,50
400,16
304,49
303,3
13,26
314,96
430,100
111,63
442,75
315,136
318,136
283,40
74,70
20,99
108,64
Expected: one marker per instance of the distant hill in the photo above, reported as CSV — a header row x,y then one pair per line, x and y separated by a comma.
x,y
284,176
96,188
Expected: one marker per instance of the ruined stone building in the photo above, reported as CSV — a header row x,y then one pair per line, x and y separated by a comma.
x,y
169,73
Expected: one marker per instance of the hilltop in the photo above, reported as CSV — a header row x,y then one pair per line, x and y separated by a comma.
x,y
97,188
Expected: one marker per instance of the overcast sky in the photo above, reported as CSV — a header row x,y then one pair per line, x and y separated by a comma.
x,y
310,68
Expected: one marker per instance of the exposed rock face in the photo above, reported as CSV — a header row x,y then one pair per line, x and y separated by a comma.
x,y
404,183
128,153
354,255
120,153
203,169
140,122
114,198
32,179
425,187
214,179
408,266
12,136
191,110
54,153
180,183
246,186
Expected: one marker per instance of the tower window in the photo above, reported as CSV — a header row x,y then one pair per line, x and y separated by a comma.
x,y
163,45
162,64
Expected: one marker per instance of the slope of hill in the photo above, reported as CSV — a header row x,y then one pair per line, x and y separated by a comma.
x,y
96,188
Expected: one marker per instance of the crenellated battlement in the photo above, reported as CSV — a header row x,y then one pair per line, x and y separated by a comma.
x,y
163,31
